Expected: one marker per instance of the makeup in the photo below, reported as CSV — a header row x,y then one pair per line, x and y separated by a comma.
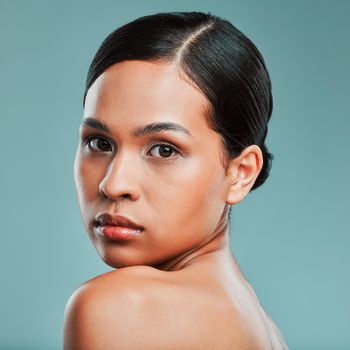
x,y
118,232
117,227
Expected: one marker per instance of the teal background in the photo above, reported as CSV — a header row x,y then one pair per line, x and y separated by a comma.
x,y
291,236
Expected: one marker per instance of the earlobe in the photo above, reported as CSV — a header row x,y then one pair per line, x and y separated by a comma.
x,y
244,171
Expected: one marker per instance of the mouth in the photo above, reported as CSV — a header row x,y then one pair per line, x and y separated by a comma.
x,y
117,227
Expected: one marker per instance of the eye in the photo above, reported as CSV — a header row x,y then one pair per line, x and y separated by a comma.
x,y
165,150
99,143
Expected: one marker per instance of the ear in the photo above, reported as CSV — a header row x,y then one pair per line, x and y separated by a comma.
x,y
243,172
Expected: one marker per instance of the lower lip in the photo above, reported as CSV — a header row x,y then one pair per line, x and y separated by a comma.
x,y
118,232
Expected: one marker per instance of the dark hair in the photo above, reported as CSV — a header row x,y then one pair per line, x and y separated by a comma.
x,y
214,56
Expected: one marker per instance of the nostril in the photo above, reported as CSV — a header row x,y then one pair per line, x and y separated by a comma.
x,y
118,185
105,194
100,189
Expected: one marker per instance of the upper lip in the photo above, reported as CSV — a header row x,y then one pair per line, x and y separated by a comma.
x,y
116,220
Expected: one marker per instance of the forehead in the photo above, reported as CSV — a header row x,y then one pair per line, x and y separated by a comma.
x,y
140,92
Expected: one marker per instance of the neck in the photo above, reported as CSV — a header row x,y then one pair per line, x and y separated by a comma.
x,y
217,246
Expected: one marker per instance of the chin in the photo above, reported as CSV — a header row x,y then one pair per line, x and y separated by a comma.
x,y
118,260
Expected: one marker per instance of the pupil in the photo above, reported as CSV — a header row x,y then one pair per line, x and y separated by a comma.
x,y
166,153
101,144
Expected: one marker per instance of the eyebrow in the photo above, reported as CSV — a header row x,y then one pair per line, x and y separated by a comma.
x,y
142,130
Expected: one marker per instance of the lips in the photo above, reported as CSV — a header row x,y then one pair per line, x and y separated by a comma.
x,y
117,220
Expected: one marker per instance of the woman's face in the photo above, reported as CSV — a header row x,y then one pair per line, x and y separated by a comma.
x,y
175,191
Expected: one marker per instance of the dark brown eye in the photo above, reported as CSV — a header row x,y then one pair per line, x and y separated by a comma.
x,y
102,145
164,150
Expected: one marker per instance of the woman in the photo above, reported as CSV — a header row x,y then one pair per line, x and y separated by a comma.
x,y
176,108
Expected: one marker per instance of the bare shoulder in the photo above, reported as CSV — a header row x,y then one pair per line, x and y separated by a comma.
x,y
140,307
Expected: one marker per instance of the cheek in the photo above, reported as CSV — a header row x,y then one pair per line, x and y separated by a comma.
x,y
189,201
86,178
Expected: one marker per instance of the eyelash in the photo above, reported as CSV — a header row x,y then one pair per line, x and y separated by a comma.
x,y
173,148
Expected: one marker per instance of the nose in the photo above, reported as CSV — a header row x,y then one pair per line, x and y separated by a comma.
x,y
120,180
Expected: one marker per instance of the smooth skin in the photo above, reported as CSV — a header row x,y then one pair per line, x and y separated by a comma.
x,y
177,285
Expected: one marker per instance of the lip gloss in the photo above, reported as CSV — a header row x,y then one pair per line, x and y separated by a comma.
x,y
118,232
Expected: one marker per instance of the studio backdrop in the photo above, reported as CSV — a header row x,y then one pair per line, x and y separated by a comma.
x,y
290,237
